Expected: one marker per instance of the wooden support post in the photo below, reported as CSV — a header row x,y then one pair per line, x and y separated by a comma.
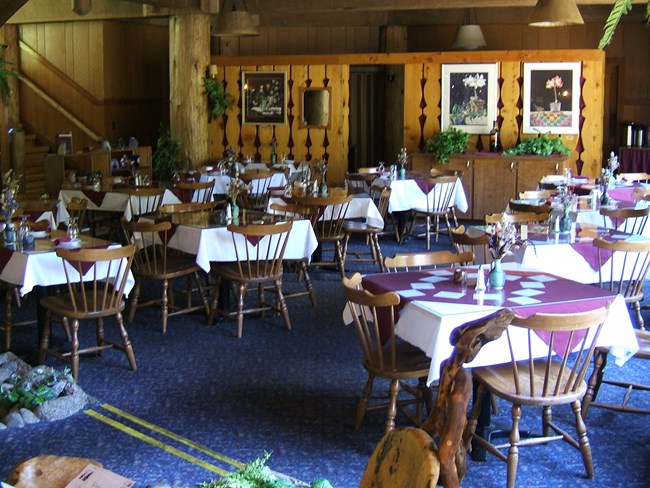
x,y
189,57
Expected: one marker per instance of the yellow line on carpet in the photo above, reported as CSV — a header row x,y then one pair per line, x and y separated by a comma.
x,y
170,434
155,442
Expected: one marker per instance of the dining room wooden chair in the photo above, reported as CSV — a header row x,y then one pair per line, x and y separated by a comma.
x,y
533,194
76,209
295,211
435,453
551,375
327,217
478,244
196,191
96,279
385,356
369,232
156,262
630,220
143,200
259,250
376,191
438,205
426,260
637,177
258,196
359,183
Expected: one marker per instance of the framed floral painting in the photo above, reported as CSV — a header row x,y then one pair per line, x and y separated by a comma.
x,y
265,97
552,97
469,97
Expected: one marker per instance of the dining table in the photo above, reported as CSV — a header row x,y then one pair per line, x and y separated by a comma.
x,y
221,182
205,235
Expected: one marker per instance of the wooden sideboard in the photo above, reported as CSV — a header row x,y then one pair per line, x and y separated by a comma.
x,y
491,180
94,161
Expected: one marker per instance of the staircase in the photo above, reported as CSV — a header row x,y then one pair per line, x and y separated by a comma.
x,y
33,166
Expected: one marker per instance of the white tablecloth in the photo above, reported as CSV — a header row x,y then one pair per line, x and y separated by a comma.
x,y
113,202
406,194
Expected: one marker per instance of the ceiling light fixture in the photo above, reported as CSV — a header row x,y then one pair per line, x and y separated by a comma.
x,y
234,22
469,35
555,13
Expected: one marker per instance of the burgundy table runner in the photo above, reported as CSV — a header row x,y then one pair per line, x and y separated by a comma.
x,y
85,266
97,197
424,185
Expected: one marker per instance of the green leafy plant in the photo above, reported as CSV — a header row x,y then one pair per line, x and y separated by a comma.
x,y
257,475
5,73
447,142
218,100
543,145
620,8
31,389
165,157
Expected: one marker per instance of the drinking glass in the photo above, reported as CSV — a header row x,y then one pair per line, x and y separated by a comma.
x,y
73,228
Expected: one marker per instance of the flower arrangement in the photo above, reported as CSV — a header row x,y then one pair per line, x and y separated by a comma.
x,y
554,83
403,157
235,188
10,187
503,239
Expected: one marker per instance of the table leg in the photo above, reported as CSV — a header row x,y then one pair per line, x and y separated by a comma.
x,y
483,427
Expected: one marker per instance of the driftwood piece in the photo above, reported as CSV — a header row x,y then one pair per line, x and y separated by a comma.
x,y
47,471
447,420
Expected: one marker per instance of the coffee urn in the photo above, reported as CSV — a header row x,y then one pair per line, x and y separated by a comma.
x,y
628,131
639,136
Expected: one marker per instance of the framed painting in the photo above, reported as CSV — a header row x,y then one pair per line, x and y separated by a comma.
x,y
265,97
552,97
469,97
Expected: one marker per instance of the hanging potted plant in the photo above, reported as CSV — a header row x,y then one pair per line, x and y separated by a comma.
x,y
218,100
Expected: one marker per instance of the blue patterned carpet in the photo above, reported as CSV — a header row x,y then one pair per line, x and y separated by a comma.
x,y
208,400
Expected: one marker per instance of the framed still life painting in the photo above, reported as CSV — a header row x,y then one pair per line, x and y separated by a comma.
x,y
469,97
265,97
552,97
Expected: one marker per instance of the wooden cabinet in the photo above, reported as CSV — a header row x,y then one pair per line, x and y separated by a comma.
x,y
491,180
94,161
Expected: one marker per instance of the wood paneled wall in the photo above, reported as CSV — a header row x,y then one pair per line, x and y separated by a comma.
x,y
421,103
294,141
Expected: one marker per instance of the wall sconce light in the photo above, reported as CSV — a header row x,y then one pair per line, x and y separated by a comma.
x,y
555,13
469,36
234,22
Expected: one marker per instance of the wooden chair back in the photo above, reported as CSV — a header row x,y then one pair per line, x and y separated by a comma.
x,y
517,218
260,249
96,279
478,244
368,170
293,211
196,191
151,242
630,220
623,268
558,375
327,219
77,210
257,198
441,193
172,208
143,200
640,193
359,182
532,194
426,260
518,207
644,177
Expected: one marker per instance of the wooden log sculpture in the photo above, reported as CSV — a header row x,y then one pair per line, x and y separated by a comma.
x,y
412,457
47,471
447,420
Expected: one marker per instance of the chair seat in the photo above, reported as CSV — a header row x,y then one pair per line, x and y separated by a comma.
x,y
361,227
230,271
410,362
177,265
63,305
499,380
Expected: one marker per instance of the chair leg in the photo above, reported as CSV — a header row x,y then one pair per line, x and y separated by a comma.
x,y
8,318
202,294
74,349
308,285
45,338
639,318
126,342
338,255
283,305
240,309
215,301
513,450
595,380
375,240
392,406
362,406
135,295
99,333
583,440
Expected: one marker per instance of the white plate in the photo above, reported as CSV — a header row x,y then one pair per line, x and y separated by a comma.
x,y
40,234
73,244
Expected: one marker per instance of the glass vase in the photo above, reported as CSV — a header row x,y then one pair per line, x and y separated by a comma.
x,y
497,277
565,222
